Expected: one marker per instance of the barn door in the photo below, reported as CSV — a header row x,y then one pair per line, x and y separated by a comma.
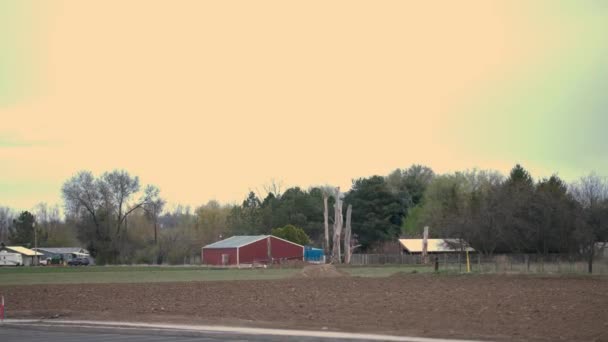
x,y
225,259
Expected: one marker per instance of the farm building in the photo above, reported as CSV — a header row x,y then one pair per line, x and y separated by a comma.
x,y
27,255
434,246
314,255
65,253
10,259
250,249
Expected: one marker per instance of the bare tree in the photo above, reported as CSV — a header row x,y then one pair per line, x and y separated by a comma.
x,y
153,207
118,187
335,253
6,217
326,191
591,192
105,204
347,235
274,187
83,198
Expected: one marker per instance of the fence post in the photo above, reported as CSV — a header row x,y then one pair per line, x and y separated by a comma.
x,y
459,264
542,263
479,262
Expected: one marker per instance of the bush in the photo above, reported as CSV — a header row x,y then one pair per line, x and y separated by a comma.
x,y
292,233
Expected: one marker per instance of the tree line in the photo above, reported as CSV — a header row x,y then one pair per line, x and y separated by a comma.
x,y
121,221
494,214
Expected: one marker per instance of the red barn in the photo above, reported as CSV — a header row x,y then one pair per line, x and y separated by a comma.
x,y
249,249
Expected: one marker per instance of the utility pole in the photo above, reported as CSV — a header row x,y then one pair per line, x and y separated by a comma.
x,y
35,244
155,223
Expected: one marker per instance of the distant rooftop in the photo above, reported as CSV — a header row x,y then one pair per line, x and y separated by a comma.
x,y
63,250
433,245
236,241
22,250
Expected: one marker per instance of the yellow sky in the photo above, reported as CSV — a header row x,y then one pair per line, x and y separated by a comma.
x,y
207,99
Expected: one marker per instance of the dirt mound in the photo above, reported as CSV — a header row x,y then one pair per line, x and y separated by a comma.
x,y
321,271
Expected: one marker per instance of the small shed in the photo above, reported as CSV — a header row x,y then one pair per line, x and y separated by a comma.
x,y
314,255
250,249
28,256
434,246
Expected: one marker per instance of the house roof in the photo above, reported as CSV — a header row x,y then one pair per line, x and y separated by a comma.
x,y
63,250
23,250
433,245
236,241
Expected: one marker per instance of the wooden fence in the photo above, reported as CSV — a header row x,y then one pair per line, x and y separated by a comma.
x,y
502,263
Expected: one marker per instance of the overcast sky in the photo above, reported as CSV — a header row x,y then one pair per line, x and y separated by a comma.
x,y
208,99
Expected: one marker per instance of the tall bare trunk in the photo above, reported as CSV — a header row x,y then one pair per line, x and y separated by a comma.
x,y
425,237
347,235
326,222
336,255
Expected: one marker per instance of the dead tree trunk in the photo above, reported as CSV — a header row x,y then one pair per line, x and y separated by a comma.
x,y
335,253
425,237
326,222
347,235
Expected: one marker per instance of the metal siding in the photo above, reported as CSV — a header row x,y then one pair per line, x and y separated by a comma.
x,y
255,251
213,256
286,250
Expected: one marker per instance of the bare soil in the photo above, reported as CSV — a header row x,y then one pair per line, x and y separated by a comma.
x,y
507,308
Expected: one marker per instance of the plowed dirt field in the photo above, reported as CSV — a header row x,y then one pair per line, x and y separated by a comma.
x,y
480,307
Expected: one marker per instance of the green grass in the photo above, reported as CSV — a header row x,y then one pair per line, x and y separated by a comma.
x,y
143,274
126,274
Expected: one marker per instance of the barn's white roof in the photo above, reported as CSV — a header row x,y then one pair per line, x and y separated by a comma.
x,y
237,241
434,245
243,240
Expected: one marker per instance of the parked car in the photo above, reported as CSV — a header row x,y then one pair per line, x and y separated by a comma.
x,y
56,260
45,262
79,262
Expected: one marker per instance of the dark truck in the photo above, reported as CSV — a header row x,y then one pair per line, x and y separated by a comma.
x,y
79,262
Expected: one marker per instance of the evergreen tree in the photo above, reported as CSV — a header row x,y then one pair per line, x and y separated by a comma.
x,y
22,230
